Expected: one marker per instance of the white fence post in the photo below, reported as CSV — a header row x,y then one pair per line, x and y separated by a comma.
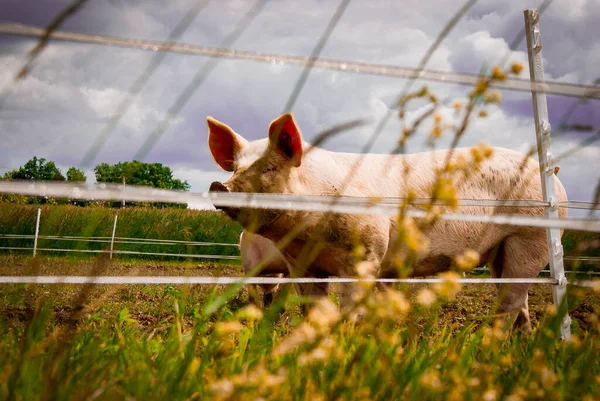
x,y
112,240
542,131
37,231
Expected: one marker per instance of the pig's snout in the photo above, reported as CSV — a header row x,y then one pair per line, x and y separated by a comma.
x,y
216,186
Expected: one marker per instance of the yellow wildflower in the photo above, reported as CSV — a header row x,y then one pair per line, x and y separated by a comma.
x,y
431,380
498,74
487,150
365,269
473,381
304,333
222,389
480,88
493,97
552,310
490,395
324,313
447,193
467,260
436,132
396,301
477,155
450,286
225,328
516,68
250,313
426,297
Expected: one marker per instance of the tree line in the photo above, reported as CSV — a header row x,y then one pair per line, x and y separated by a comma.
x,y
132,172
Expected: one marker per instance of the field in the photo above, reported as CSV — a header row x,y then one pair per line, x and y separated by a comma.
x,y
204,342
166,224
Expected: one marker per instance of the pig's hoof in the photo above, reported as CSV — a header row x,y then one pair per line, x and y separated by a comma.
x,y
268,299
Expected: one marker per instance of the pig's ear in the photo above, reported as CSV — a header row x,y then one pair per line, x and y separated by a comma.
x,y
285,137
224,143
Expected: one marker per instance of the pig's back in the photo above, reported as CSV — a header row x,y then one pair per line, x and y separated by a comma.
x,y
508,174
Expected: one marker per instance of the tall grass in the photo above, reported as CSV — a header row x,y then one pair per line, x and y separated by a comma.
x,y
167,224
173,224
219,352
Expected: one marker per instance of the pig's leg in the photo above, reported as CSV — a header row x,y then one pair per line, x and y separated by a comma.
x,y
252,253
373,255
520,256
270,290
313,291
249,259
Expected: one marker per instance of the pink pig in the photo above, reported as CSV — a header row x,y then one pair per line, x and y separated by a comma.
x,y
324,246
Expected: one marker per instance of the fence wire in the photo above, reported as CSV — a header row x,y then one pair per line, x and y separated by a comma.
x,y
208,280
307,203
251,280
523,85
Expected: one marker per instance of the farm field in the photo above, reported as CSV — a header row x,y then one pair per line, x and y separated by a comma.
x,y
170,224
209,342
201,342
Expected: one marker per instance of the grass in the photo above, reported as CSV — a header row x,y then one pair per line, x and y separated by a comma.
x,y
167,224
201,342
172,224
71,342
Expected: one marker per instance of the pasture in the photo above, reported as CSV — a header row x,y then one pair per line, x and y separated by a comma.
x,y
208,342
185,342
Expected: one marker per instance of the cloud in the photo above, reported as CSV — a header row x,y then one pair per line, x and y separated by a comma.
x,y
66,100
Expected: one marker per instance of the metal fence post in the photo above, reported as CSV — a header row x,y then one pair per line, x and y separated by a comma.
x,y
112,240
37,231
542,131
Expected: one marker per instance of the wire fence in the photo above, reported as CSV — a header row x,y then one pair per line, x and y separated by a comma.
x,y
308,203
163,242
115,240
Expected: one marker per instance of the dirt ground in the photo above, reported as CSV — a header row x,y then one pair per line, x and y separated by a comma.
x,y
151,305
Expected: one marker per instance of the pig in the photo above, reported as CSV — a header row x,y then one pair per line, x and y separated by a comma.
x,y
284,163
254,249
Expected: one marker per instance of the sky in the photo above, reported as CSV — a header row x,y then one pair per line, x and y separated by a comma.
x,y
73,89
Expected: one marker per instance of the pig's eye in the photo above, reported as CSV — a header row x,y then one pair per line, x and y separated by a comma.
x,y
268,170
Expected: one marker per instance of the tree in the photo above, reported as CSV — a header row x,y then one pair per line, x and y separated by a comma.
x,y
36,169
139,173
75,175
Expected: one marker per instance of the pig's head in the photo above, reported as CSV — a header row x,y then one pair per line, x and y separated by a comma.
x,y
263,166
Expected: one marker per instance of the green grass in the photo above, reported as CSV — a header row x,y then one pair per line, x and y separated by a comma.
x,y
173,224
67,342
190,354
167,224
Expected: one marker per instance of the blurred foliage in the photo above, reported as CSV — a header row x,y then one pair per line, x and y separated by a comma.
x,y
184,346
